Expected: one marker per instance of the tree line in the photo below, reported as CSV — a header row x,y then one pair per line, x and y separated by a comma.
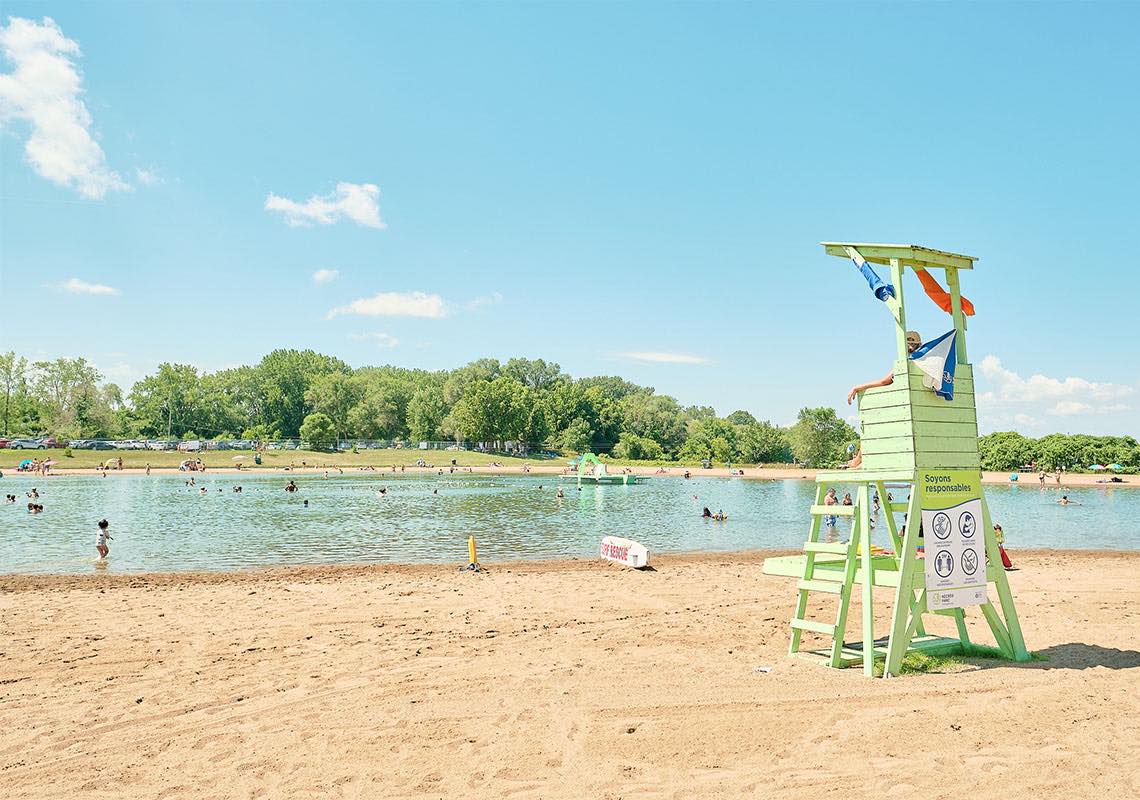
x,y
1009,451
302,394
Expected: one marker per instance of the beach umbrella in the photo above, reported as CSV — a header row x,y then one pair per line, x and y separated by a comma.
x,y
1097,467
26,462
238,458
1110,466
50,462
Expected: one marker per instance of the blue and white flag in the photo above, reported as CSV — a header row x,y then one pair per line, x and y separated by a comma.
x,y
936,359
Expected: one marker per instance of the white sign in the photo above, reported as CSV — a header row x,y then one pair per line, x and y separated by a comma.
x,y
625,551
955,556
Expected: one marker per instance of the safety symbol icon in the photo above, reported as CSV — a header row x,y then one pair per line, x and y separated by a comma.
x,y
942,525
944,563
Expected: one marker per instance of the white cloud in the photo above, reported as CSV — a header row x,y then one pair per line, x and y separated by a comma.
x,y
45,90
381,339
147,177
395,304
665,358
1069,408
77,286
1062,396
358,202
325,275
1024,402
492,299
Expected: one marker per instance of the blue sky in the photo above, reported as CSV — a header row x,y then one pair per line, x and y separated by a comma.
x,y
633,189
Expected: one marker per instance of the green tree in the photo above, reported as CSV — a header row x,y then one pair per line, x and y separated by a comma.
x,y
426,411
335,395
1006,450
285,377
656,417
13,380
637,448
576,437
819,436
711,438
741,418
168,403
68,391
535,374
763,443
319,431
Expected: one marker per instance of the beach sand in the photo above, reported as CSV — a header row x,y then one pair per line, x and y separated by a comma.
x,y
568,679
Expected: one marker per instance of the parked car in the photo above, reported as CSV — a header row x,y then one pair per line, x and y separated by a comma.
x,y
27,444
3,443
193,446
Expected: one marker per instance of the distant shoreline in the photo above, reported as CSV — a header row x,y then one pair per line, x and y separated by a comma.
x,y
1029,479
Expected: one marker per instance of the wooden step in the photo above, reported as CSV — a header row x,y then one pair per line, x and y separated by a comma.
x,y
833,511
838,548
820,586
813,626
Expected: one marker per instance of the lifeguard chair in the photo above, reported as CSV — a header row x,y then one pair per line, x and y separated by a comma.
x,y
907,432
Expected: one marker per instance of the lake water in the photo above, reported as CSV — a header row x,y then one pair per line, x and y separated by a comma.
x,y
159,524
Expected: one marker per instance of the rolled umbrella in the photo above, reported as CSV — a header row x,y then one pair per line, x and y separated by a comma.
x,y
881,290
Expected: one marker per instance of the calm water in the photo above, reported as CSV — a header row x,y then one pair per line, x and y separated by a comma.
x,y
159,524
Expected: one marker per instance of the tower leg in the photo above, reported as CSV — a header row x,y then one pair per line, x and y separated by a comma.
x,y
863,525
1008,610
809,571
904,597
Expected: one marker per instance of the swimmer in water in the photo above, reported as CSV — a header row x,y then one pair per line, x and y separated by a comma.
x,y
306,504
559,494
706,514
291,486
102,537
202,490
1065,501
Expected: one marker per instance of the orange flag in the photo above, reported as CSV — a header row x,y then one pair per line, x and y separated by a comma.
x,y
940,296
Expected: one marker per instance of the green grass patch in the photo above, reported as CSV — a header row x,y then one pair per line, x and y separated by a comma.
x,y
137,459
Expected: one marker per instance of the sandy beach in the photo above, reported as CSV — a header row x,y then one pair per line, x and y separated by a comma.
x,y
755,473
568,679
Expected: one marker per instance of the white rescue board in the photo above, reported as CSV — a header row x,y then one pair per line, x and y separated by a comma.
x,y
625,551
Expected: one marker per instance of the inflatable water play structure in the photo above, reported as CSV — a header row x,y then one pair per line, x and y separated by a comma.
x,y
593,470
919,434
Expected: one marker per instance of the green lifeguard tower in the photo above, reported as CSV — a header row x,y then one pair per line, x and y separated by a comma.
x,y
911,439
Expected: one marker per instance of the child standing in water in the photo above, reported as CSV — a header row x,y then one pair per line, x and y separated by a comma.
x,y
101,538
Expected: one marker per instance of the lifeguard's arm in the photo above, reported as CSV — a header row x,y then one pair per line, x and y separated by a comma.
x,y
885,381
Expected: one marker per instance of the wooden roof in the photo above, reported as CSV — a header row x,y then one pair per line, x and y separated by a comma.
x,y
912,254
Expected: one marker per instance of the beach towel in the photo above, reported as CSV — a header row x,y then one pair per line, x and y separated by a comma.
x,y
940,296
878,288
937,360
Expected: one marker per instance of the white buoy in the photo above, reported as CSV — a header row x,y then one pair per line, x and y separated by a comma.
x,y
625,551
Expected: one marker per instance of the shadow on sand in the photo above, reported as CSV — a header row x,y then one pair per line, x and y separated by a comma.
x,y
1075,655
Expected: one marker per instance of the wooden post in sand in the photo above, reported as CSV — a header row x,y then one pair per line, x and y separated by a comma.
x,y
916,440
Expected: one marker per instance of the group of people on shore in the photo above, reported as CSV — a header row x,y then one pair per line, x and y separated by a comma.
x,y
36,466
